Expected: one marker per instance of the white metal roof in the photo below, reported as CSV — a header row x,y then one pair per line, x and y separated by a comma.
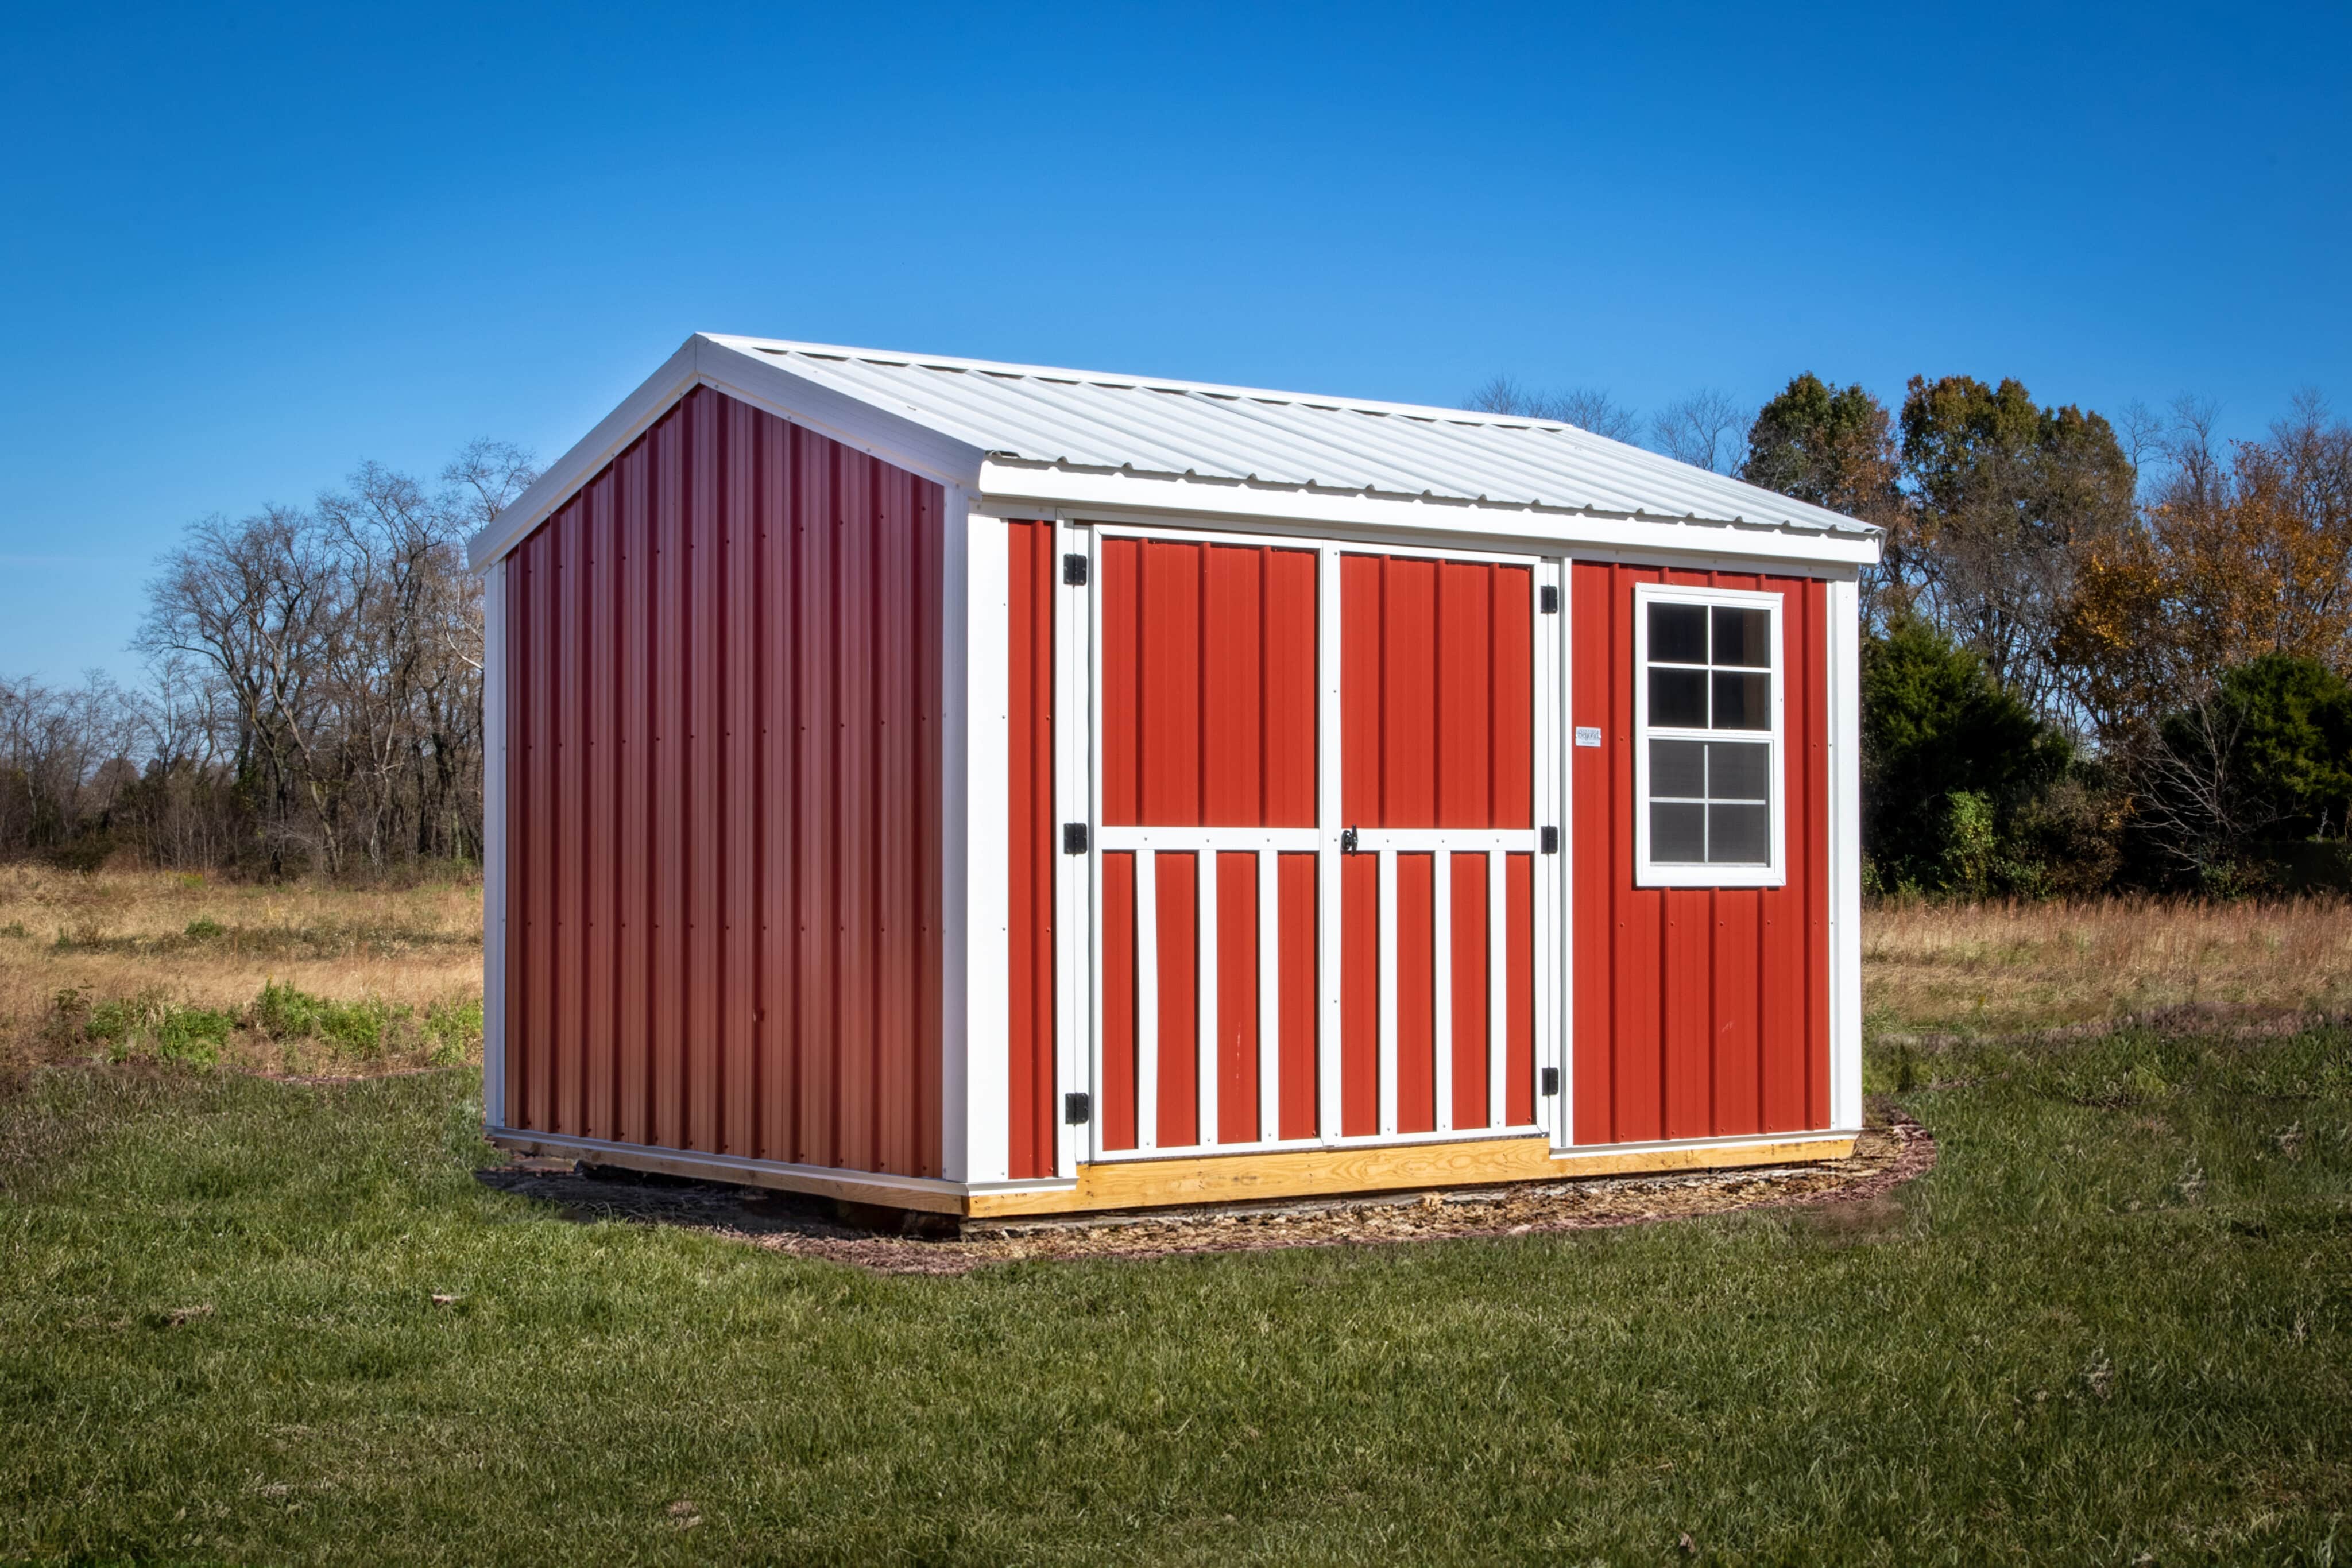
x,y
1032,431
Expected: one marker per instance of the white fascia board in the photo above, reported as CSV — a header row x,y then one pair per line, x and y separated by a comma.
x,y
748,377
1027,489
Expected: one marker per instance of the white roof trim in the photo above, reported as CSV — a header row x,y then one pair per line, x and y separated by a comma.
x,y
1025,432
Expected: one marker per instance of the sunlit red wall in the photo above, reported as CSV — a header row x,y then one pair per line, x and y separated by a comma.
x,y
1698,1012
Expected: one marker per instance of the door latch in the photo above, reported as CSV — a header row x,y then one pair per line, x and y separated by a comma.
x,y
1347,840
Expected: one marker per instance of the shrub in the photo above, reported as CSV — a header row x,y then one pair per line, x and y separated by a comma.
x,y
287,1012
455,1029
175,1033
204,928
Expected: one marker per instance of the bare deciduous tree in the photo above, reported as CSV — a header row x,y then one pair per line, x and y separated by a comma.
x,y
1707,430
1587,408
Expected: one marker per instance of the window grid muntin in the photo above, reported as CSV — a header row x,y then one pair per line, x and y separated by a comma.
x,y
1767,737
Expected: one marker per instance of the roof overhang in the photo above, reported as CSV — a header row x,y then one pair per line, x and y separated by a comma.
x,y
1018,489
995,484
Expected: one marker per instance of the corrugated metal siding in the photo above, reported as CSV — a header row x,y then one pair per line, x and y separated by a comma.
x,y
1436,688
1437,707
1698,1012
1208,673
1207,720
725,779
1029,1085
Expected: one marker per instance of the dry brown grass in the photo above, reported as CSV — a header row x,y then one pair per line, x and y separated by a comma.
x,y
1997,967
193,941
2004,967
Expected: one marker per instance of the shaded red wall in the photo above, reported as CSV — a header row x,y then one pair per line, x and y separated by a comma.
x,y
1698,1012
1030,850
724,787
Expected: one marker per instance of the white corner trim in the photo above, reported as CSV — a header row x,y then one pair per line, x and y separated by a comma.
x,y
494,846
979,656
750,378
1844,676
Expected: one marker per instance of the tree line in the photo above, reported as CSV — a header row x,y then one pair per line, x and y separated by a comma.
x,y
2097,653
313,701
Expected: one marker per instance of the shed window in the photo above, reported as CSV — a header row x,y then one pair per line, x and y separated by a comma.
x,y
1707,761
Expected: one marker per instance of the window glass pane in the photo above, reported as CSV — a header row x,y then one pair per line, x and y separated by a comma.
x,y
1741,701
1678,834
1741,637
1678,767
1735,769
1678,698
1678,634
1736,835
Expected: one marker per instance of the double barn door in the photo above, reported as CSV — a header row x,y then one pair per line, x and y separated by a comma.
x,y
1306,906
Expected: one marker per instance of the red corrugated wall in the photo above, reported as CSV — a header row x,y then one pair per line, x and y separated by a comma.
x,y
1209,717
724,787
1437,698
1698,1012
1208,670
1030,850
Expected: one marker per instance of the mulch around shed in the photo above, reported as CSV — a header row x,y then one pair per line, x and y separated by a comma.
x,y
1849,1195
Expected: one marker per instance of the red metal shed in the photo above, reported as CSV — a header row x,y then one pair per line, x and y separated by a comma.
x,y
995,790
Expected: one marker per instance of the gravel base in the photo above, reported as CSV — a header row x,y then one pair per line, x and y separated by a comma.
x,y
1850,1194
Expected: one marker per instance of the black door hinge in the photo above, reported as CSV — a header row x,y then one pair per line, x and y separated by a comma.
x,y
1078,1108
1073,572
1550,1082
1550,838
1548,599
1074,838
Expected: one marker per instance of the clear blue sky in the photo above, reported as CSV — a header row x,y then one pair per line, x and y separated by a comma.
x,y
243,251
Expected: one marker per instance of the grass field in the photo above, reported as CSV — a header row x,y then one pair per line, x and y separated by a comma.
x,y
245,1318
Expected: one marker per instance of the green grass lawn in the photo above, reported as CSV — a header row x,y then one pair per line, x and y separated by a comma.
x,y
2112,1322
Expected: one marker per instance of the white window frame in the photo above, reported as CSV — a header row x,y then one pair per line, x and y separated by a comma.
x,y
1774,874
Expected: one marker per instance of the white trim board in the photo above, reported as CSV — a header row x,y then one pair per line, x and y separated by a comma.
x,y
494,845
1037,490
1649,872
702,360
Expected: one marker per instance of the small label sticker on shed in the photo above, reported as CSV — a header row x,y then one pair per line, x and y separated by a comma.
x,y
1587,734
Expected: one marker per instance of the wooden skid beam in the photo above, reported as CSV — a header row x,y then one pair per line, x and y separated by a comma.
x,y
1217,1178
1327,1173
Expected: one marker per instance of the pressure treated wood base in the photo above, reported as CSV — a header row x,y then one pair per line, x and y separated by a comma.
x,y
1213,1178
1330,1172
